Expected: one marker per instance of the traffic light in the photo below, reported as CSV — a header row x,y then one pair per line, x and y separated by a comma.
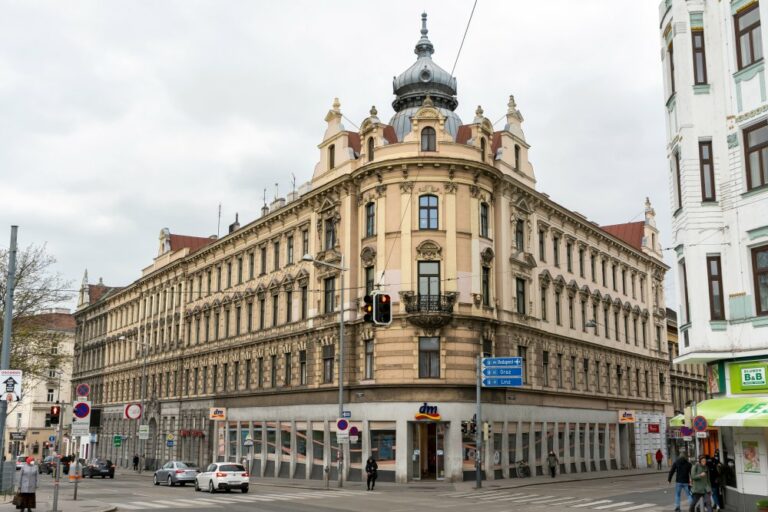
x,y
55,414
382,309
368,308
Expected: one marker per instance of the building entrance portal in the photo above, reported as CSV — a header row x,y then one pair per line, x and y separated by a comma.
x,y
428,451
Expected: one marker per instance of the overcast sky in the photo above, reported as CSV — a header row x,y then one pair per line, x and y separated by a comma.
x,y
120,118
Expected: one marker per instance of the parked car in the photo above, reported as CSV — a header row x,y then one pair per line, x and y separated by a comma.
x,y
20,461
222,475
99,467
48,465
176,472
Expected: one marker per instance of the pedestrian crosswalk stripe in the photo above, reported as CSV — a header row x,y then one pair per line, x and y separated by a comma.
x,y
531,498
547,501
512,496
612,505
146,504
636,507
599,502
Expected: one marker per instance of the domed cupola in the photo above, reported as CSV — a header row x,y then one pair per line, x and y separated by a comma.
x,y
424,78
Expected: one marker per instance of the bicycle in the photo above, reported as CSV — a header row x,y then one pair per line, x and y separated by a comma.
x,y
523,470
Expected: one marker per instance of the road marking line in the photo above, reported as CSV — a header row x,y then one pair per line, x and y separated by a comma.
x,y
619,504
516,496
637,507
127,507
534,498
146,504
599,502
547,501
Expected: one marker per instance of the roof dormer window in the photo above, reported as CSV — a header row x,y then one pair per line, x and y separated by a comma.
x,y
483,147
428,139
370,149
331,156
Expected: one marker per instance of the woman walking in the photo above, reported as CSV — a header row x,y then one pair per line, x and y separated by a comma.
x,y
371,469
27,486
552,462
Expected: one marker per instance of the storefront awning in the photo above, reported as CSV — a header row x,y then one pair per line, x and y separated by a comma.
x,y
735,412
677,421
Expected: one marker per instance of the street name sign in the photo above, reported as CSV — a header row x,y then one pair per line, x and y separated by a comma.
x,y
502,372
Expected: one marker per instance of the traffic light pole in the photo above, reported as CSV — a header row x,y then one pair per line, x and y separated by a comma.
x,y
58,444
478,430
5,354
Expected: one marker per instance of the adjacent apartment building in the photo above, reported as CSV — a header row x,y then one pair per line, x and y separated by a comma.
x,y
240,335
717,126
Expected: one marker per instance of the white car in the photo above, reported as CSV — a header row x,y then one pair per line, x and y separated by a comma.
x,y
223,475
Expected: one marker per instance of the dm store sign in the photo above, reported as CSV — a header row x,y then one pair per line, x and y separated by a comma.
x,y
428,413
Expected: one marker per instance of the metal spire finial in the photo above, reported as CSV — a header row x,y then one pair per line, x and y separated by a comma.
x,y
424,24
424,47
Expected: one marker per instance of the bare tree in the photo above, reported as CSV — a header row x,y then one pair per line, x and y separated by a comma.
x,y
34,345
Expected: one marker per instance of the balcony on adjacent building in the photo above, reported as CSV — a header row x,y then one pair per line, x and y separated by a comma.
x,y
429,311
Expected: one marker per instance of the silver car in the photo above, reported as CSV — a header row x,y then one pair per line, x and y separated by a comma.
x,y
176,472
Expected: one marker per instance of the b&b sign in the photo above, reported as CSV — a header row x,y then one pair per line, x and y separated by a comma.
x,y
752,377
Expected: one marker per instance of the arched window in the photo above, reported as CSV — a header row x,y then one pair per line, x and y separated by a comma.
x,y
370,149
428,211
331,156
428,139
483,147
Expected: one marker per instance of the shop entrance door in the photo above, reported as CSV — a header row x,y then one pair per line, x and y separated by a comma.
x,y
428,451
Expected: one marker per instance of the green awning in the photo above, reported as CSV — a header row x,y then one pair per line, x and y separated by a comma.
x,y
735,412
677,421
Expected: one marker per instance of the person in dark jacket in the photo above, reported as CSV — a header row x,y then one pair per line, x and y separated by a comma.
x,y
659,458
372,470
700,485
681,467
714,480
136,462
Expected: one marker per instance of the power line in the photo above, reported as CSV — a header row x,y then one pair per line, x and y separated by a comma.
x,y
463,38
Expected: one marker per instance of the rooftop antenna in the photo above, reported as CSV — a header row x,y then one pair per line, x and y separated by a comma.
x,y
277,191
265,196
218,227
293,183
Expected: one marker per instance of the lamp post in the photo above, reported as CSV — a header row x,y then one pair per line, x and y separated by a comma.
x,y
341,269
144,349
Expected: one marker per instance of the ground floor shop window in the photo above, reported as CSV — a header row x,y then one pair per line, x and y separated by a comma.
x,y
512,446
468,447
301,443
271,445
384,448
728,456
318,445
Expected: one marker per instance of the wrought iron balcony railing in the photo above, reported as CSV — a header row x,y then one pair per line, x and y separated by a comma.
x,y
429,311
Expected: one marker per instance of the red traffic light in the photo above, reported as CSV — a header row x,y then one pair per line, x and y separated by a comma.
x,y
382,309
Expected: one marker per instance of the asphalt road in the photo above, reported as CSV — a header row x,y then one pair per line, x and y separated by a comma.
x,y
648,493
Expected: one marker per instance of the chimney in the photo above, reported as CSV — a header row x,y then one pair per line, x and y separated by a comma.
x,y
235,225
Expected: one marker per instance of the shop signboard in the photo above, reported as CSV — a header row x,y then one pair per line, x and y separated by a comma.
x,y
626,416
18,436
653,428
749,377
218,414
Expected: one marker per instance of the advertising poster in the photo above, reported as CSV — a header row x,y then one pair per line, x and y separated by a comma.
x,y
751,456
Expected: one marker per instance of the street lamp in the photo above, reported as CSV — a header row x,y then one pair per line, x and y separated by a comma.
x,y
144,348
341,269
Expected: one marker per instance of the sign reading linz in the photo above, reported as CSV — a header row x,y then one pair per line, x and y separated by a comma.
x,y
502,372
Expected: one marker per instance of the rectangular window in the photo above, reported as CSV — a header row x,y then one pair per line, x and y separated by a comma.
x,y
484,220
50,395
520,235
558,318
370,219
249,320
276,256
304,302
522,353
584,316
225,377
263,260
760,272
289,306
581,262
624,281
542,246
616,325
544,303
288,375
368,370
586,374
215,375
262,313
429,358
205,380
614,278
545,368
328,354
273,371
560,370
699,57
248,370
749,43
678,181
671,55
658,338
304,242
303,368
251,265
520,292
238,320
429,280
707,171
289,250
275,310
208,288
486,283
556,250
260,372
229,274
569,256
756,149
330,234
685,292
428,212
573,372
603,266
626,328
239,269
330,295
634,331
715,280
219,279
369,280
571,322
592,267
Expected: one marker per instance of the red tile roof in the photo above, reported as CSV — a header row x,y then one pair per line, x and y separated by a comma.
x,y
389,134
95,291
495,143
631,233
55,321
463,134
194,243
353,139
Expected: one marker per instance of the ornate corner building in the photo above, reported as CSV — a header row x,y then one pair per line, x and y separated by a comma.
x,y
445,217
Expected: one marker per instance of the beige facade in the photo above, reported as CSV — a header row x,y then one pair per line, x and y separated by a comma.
x,y
476,261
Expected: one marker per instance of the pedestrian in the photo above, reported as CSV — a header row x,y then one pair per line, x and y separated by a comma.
x,y
700,484
136,462
682,469
659,458
552,462
27,486
713,468
372,470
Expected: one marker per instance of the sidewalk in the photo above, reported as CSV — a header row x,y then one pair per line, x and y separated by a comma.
x,y
66,504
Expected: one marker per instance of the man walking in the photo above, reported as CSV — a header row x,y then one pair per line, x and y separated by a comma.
x,y
682,469
700,484
659,458
136,462
552,462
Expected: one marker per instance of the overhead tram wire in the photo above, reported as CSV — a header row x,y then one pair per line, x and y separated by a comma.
x,y
458,53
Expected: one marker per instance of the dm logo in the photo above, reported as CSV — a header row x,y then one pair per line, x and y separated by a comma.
x,y
428,412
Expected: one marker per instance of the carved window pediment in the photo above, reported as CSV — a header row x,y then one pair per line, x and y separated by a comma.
x,y
486,255
429,250
545,278
368,256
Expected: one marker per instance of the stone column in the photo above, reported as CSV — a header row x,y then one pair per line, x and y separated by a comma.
x,y
292,469
566,447
587,451
505,449
406,251
532,447
450,270
404,450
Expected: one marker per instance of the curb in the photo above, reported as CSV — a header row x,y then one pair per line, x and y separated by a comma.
x,y
545,482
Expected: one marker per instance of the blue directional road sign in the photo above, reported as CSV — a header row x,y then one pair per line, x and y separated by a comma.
x,y
502,361
510,382
503,371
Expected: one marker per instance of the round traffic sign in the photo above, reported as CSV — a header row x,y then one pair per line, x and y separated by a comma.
x,y
700,424
83,389
353,431
133,411
52,438
81,410
342,425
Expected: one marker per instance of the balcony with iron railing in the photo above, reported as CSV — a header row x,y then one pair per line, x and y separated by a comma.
x,y
429,311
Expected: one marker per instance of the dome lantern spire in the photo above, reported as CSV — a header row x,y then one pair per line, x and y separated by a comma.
x,y
424,47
